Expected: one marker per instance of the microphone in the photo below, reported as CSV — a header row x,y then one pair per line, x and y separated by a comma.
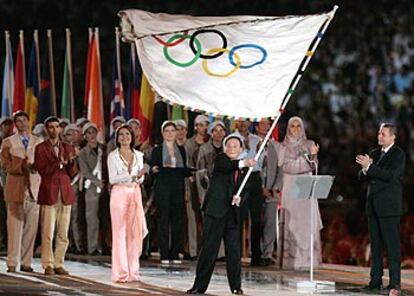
x,y
306,155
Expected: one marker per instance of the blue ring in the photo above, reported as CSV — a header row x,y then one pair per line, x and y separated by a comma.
x,y
254,46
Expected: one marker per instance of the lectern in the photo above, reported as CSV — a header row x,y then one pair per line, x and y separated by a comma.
x,y
310,187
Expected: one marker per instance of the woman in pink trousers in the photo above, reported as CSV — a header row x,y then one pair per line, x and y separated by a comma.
x,y
126,173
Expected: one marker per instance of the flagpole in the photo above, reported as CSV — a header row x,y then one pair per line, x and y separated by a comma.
x,y
52,71
290,91
118,69
69,61
21,40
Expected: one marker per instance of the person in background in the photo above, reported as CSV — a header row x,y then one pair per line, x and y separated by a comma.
x,y
116,122
169,166
222,217
91,160
71,135
254,202
383,168
295,155
126,173
21,190
272,184
55,162
6,130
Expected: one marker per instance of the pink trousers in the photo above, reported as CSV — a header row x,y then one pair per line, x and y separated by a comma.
x,y
128,231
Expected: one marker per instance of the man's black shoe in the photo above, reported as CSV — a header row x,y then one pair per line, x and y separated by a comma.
x,y
370,289
194,291
237,292
255,263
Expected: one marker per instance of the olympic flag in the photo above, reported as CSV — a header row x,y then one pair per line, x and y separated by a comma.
x,y
235,66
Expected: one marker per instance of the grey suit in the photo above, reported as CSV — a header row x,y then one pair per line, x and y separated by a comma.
x,y
88,159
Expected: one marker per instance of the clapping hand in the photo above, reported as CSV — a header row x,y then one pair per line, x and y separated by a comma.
x,y
363,160
249,162
314,149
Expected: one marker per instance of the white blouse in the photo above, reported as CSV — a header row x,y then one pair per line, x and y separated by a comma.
x,y
118,168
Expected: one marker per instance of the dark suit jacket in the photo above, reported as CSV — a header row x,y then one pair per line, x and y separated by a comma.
x,y
222,187
384,196
54,179
156,160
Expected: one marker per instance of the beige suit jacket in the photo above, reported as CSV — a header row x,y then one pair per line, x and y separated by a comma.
x,y
13,157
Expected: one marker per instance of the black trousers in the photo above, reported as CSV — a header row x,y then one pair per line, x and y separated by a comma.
x,y
3,223
169,197
216,229
253,205
385,232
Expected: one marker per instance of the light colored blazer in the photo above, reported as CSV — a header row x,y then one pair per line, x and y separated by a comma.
x,y
13,157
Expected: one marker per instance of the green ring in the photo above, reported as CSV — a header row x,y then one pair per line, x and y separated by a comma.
x,y
176,63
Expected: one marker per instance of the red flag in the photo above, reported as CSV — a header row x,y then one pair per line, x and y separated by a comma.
x,y
19,96
95,99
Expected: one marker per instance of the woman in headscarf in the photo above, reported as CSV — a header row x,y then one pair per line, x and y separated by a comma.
x,y
169,165
298,157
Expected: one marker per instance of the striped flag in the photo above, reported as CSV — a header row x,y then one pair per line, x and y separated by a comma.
x,y
67,109
8,79
33,83
19,96
117,97
95,99
47,96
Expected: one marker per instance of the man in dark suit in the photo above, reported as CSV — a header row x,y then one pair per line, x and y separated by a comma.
x,y
383,168
222,217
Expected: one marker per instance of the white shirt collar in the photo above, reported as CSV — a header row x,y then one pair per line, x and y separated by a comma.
x,y
387,148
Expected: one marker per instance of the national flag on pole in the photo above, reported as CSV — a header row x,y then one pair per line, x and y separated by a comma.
x,y
47,97
117,97
238,66
88,66
67,109
139,97
8,79
95,99
19,93
33,83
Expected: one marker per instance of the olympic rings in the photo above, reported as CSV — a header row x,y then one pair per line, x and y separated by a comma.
x,y
231,53
187,64
193,36
213,53
162,42
222,50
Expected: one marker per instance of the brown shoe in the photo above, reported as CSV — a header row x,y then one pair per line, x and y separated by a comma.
x,y
49,271
61,271
11,269
26,268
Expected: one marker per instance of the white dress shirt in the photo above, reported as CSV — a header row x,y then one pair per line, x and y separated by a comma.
x,y
118,168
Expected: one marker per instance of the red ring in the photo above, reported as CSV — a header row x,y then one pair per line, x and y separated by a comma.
x,y
162,42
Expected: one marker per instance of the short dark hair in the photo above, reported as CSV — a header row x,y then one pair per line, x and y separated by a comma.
x,y
51,119
168,123
125,126
20,113
391,127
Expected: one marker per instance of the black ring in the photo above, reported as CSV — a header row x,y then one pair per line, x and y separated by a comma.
x,y
207,57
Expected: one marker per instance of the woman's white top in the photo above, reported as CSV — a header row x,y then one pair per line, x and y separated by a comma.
x,y
118,168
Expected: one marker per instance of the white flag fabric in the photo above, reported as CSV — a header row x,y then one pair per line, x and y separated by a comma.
x,y
238,66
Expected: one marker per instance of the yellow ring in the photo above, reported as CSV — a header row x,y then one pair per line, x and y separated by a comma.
x,y
231,72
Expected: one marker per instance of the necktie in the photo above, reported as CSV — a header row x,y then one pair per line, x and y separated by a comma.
x,y
381,156
25,141
236,177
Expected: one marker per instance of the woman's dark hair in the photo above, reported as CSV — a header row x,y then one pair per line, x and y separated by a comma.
x,y
166,124
127,127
